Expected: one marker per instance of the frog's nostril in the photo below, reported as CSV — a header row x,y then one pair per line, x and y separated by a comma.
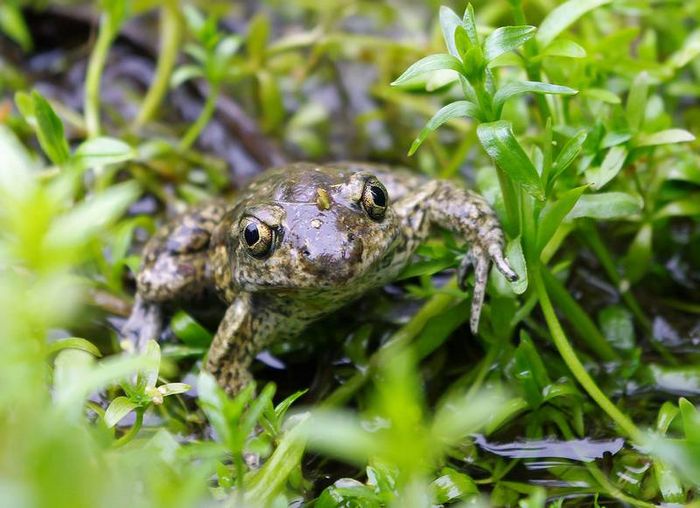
x,y
306,253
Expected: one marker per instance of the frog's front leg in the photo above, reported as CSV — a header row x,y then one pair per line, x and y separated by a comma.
x,y
445,204
175,268
251,323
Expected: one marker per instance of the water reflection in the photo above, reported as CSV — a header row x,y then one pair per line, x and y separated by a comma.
x,y
582,450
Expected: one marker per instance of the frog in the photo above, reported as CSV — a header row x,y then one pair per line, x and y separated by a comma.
x,y
299,242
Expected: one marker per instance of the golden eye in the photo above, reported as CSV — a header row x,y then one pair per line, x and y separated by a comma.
x,y
257,237
374,199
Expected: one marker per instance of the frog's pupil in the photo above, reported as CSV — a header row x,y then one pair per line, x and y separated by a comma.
x,y
378,195
251,234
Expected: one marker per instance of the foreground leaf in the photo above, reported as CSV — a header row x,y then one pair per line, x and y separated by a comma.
x,y
499,142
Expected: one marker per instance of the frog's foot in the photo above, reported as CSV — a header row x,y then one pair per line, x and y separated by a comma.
x,y
144,323
480,257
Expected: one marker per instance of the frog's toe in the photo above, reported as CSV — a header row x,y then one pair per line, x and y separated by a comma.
x,y
481,277
496,253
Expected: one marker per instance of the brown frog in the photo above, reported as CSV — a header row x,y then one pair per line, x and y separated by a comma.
x,y
299,242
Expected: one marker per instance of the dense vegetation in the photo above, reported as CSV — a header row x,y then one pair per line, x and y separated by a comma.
x,y
574,119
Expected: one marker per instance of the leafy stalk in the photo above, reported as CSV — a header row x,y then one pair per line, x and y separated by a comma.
x,y
170,35
574,364
202,120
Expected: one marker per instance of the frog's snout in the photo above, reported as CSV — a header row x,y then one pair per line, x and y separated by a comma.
x,y
331,259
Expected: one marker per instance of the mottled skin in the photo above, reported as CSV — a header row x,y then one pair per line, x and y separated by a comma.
x,y
325,235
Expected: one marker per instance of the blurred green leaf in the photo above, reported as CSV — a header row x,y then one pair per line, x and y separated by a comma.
x,y
613,162
190,331
606,205
666,137
563,48
568,154
563,16
617,326
453,110
74,343
452,485
118,409
637,102
688,207
50,130
639,255
12,23
90,217
185,73
102,150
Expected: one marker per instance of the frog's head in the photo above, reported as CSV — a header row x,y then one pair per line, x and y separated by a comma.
x,y
312,228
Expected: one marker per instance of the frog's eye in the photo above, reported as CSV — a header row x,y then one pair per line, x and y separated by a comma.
x,y
257,237
374,199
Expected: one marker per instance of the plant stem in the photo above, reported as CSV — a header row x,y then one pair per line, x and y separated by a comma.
x,y
585,327
202,120
131,433
574,364
170,34
96,64
532,69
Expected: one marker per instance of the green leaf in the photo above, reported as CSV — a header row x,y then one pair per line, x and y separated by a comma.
x,y
602,94
562,17
449,21
453,485
74,343
13,25
687,207
91,216
118,409
103,150
563,48
185,73
515,88
428,64
617,326
553,214
514,254
50,131
173,388
665,137
453,110
505,39
469,23
607,205
530,371
612,164
258,33
499,142
637,102
639,255
568,154
687,53
190,331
